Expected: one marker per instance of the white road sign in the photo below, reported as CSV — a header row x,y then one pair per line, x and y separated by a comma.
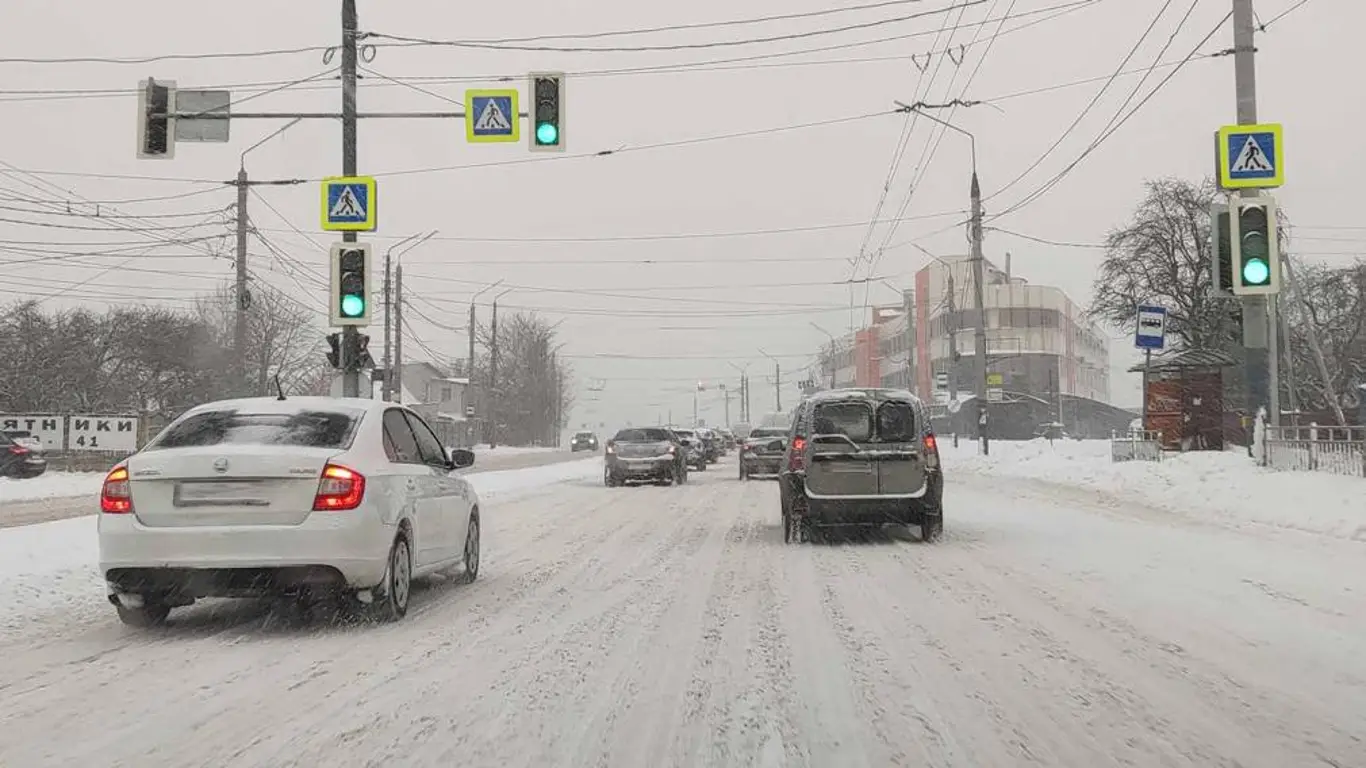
x,y
49,429
104,433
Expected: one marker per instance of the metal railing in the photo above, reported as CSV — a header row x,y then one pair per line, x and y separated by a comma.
x,y
1336,450
1136,445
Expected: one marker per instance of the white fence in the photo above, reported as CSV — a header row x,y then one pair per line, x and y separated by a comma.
x,y
1337,450
1136,445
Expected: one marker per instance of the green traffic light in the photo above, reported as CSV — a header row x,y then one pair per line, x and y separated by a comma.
x,y
547,133
352,305
1255,272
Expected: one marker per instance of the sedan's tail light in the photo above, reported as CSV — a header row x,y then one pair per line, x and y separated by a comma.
x,y
339,489
116,497
611,448
18,450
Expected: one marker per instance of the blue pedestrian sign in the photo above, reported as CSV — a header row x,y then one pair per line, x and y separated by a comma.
x,y
492,116
1150,329
349,204
1251,156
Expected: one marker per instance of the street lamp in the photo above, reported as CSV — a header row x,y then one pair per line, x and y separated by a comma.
x,y
494,391
833,350
392,319
975,221
777,382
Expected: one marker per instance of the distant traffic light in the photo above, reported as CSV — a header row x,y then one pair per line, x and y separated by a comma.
x,y
1221,250
1256,257
156,129
547,111
350,288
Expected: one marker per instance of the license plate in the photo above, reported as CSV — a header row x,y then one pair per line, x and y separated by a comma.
x,y
216,493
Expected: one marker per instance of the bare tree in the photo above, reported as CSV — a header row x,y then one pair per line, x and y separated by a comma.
x,y
1162,256
1335,305
282,339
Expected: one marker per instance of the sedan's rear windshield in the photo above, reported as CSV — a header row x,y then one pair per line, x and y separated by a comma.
x,y
643,436
768,432
311,429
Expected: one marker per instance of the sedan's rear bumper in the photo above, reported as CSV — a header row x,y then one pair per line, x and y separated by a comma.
x,y
641,468
345,549
762,465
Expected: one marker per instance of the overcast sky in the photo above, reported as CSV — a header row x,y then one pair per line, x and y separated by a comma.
x,y
686,308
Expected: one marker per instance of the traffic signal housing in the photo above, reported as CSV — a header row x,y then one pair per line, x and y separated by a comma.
x,y
1221,250
334,358
1256,250
547,111
349,294
156,129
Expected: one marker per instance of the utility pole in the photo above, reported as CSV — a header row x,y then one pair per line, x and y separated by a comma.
x,y
726,392
749,414
1260,350
908,306
951,325
397,377
387,388
980,340
777,387
241,299
350,23
493,377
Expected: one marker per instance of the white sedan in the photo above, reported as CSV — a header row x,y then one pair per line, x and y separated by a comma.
x,y
307,496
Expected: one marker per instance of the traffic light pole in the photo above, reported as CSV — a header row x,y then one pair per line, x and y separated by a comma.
x,y
350,22
239,324
1260,346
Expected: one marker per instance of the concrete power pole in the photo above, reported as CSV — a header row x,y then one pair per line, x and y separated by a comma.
x,y
777,387
980,337
493,377
397,376
350,22
241,298
1260,350
387,389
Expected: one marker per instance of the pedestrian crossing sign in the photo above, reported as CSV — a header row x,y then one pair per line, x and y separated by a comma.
x,y
1251,156
492,116
349,204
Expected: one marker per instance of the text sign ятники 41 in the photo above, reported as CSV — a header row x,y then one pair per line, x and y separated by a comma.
x,y
1150,327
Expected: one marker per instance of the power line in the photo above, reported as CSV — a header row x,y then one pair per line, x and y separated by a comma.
x,y
509,46
257,54
1282,15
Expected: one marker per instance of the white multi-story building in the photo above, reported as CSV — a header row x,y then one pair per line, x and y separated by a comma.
x,y
1039,342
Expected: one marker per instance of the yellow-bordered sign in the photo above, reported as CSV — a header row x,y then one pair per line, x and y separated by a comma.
x,y
350,204
492,116
1251,156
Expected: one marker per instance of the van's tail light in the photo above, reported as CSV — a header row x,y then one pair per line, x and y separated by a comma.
x,y
116,497
18,450
339,489
796,458
611,447
931,451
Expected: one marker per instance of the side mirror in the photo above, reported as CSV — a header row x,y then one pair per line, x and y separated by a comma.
x,y
461,458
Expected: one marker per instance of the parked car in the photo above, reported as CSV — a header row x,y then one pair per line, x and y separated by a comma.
x,y
695,448
583,441
645,455
761,454
308,497
27,440
20,460
861,457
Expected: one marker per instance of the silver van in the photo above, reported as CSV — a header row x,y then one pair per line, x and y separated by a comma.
x,y
861,457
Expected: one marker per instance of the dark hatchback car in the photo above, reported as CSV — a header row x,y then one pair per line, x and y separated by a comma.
x,y
18,460
583,441
761,454
645,455
861,457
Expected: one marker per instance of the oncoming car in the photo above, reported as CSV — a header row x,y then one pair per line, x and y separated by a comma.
x,y
306,497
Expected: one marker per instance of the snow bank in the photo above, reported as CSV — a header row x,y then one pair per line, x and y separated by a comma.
x,y
55,563
50,486
513,450
1227,486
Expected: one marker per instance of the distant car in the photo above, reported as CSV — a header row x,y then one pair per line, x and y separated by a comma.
x,y
712,441
27,440
645,455
861,457
696,449
309,497
728,441
583,441
761,454
20,459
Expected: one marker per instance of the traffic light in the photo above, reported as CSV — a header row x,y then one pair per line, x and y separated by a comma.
x,y
1221,251
350,289
547,111
1256,255
156,129
334,353
362,357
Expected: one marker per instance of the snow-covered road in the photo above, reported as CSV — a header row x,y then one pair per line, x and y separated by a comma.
x,y
671,627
